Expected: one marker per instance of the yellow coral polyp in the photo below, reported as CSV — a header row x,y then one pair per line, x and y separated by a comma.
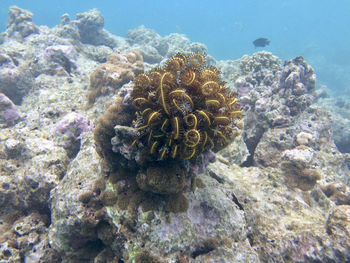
x,y
183,109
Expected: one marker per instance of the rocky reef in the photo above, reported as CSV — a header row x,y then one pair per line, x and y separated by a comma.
x,y
83,179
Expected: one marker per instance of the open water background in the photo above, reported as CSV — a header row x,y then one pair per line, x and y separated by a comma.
x,y
319,30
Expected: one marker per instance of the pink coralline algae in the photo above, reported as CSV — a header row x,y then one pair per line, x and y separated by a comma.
x,y
9,114
56,60
69,129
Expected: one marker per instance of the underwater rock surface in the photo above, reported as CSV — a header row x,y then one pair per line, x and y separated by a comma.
x,y
279,193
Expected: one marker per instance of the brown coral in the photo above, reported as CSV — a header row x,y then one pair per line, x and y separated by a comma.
x,y
110,76
299,177
118,113
169,179
338,192
183,109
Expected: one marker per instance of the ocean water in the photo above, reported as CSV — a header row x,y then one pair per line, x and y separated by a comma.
x,y
319,30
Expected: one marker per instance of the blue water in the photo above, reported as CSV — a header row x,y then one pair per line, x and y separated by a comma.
x,y
319,30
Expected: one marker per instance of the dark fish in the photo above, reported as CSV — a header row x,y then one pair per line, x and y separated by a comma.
x,y
261,42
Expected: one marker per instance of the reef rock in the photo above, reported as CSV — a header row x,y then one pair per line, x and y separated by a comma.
x,y
73,225
260,69
20,24
297,84
314,123
273,98
69,131
27,238
90,27
211,228
56,60
339,110
15,78
290,224
156,46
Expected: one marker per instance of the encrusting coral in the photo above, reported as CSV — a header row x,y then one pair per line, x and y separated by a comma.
x,y
183,109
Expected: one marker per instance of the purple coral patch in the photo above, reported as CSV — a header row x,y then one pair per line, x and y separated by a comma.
x,y
69,129
9,114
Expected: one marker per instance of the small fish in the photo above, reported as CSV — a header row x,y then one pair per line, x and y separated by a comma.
x,y
261,42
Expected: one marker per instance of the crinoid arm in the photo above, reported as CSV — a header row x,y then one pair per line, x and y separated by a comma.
x,y
183,109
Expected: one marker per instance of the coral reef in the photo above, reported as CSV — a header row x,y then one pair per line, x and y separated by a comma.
x,y
80,238
112,75
112,201
90,229
181,117
117,113
156,46
67,29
